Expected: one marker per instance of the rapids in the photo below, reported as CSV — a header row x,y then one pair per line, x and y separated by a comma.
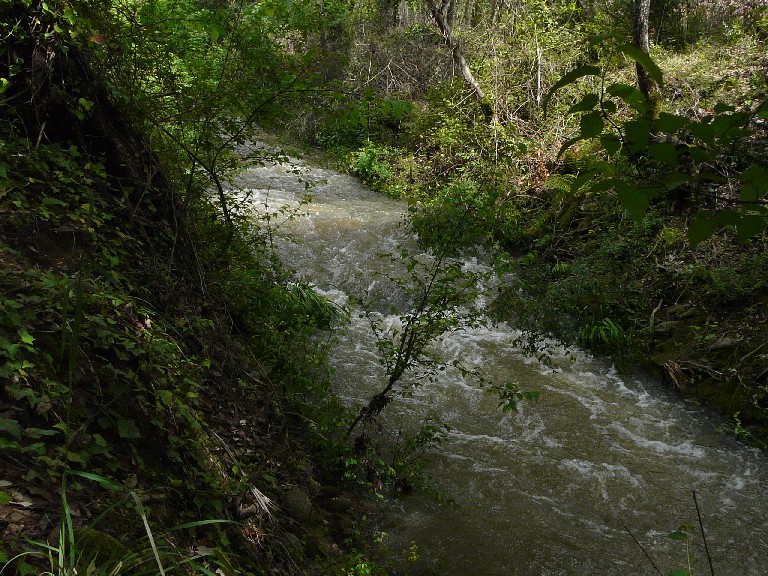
x,y
549,489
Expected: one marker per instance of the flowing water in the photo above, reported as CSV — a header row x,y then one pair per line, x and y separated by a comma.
x,y
551,488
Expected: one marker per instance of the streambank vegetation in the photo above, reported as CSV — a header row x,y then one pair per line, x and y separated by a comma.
x,y
164,384
630,208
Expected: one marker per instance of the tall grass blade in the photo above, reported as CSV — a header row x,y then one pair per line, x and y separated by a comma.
x,y
143,515
66,531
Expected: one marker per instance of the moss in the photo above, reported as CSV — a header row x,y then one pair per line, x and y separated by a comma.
x,y
100,548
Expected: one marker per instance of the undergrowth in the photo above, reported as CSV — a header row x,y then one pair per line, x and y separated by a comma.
x,y
585,269
147,342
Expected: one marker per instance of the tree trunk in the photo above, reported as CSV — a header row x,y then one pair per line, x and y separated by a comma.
x,y
388,10
444,15
641,40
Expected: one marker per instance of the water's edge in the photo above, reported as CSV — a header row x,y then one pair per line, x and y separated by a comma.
x,y
549,489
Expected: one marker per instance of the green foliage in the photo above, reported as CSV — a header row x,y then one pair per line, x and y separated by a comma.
x,y
601,335
675,154
595,290
196,77
90,551
441,294
684,533
354,123
370,163
740,280
131,301
510,395
323,313
460,215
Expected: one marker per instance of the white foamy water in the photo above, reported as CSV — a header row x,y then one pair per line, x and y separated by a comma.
x,y
548,489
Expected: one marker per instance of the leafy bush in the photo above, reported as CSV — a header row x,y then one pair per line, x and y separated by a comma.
x,y
460,215
371,165
602,335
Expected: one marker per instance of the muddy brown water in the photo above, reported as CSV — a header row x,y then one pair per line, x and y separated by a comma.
x,y
551,488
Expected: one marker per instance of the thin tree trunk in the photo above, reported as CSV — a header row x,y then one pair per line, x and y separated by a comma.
x,y
641,40
444,15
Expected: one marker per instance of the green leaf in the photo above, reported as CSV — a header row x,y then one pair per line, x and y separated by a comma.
x,y
678,535
591,125
754,183
70,15
720,108
675,180
630,95
75,457
586,104
4,498
701,155
679,572
637,133
11,427
580,180
198,523
570,78
702,227
4,85
704,132
25,336
128,429
664,152
634,200
607,184
567,144
670,123
730,125
38,433
750,226
727,217
610,107
106,482
610,143
49,201
644,60
710,177
762,110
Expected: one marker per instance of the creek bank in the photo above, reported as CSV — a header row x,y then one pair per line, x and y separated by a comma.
x,y
150,373
700,325
623,449
697,319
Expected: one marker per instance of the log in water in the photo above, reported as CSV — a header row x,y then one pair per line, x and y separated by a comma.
x,y
550,488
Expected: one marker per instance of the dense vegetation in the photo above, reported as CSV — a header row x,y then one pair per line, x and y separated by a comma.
x,y
161,379
158,371
634,222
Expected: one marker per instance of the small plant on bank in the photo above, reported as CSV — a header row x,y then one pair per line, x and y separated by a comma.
x,y
604,334
441,292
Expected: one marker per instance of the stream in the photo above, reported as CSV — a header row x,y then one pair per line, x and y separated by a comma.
x,y
555,487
